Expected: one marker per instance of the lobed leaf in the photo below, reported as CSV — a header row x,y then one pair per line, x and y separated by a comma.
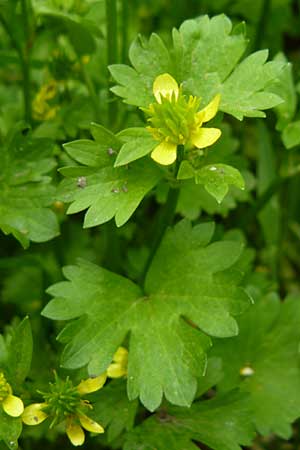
x,y
106,191
268,345
185,298
205,58
25,190
222,423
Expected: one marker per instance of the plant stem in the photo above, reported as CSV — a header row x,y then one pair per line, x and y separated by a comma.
x,y
25,64
92,92
166,216
124,30
263,200
262,24
24,58
112,54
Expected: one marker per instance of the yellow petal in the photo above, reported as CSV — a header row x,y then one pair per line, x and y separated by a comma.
x,y
121,355
205,137
211,109
116,370
13,406
91,384
75,433
90,424
165,86
34,414
165,153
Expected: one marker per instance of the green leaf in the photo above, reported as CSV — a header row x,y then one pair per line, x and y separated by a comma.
x,y
138,143
101,188
268,344
149,59
204,58
113,410
10,429
223,423
25,190
80,36
20,352
270,216
244,92
216,179
291,135
285,88
188,278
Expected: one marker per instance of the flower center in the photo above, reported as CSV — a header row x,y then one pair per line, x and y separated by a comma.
x,y
62,400
173,120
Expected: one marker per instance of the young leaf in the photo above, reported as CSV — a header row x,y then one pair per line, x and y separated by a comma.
x,y
10,429
245,91
101,188
186,279
217,178
138,143
20,352
285,88
25,192
264,362
223,423
291,135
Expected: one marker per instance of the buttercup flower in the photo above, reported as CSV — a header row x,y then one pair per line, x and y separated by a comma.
x,y
174,120
118,368
64,402
41,108
12,405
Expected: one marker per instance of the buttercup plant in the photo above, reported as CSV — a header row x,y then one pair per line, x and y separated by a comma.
x,y
182,317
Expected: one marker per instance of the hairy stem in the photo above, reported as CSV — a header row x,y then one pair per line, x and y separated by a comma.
x,y
112,54
25,63
262,24
92,92
124,30
166,216
24,57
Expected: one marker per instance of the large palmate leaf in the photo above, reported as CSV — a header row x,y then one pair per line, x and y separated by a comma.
x,y
222,423
188,292
96,184
205,59
267,350
25,191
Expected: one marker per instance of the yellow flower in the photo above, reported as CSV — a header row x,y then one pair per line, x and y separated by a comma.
x,y
34,414
75,425
12,405
176,121
68,398
118,368
41,108
92,384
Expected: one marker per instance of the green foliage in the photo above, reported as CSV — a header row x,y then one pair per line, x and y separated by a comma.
x,y
227,416
168,332
197,287
106,192
26,191
114,410
204,58
268,345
